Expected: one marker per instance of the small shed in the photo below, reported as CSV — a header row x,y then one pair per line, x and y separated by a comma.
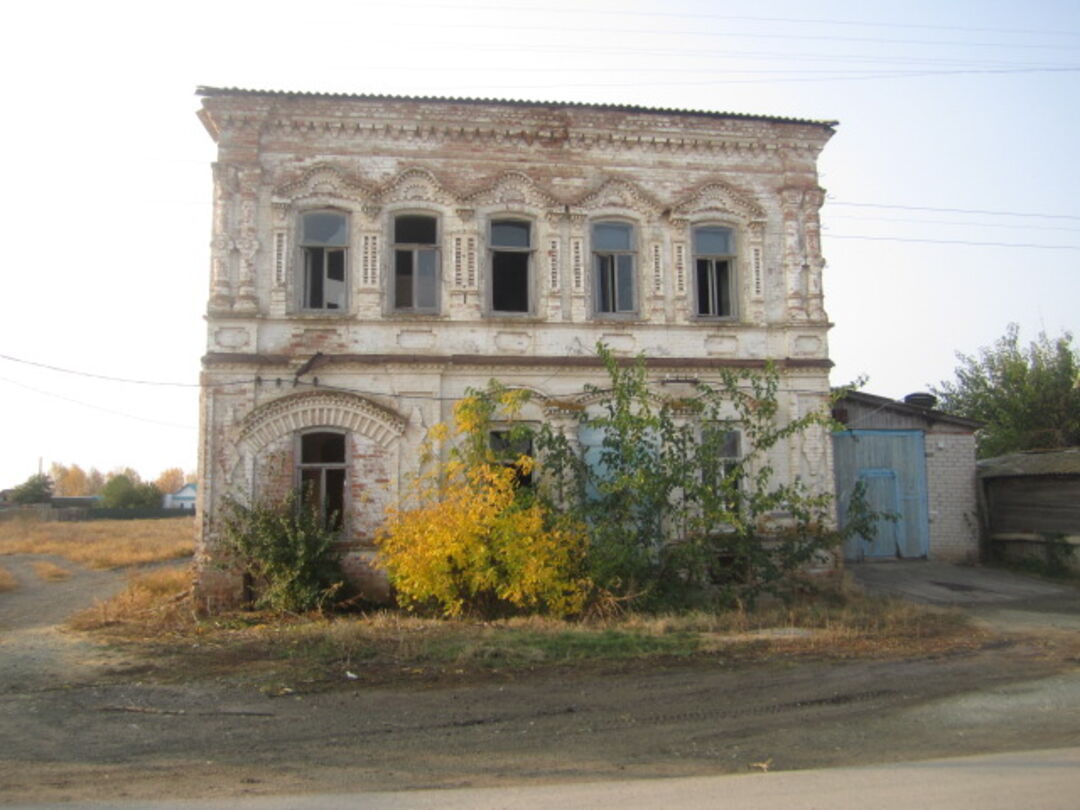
x,y
1030,502
915,463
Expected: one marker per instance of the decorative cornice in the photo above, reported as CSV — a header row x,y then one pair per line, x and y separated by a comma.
x,y
216,359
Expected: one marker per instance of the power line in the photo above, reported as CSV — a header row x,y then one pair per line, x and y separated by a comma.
x,y
97,407
830,235
96,376
957,224
623,12
954,210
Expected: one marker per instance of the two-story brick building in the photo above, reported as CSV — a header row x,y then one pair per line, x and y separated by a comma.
x,y
373,257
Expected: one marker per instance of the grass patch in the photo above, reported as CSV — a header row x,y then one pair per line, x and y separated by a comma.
x,y
101,543
152,603
7,580
288,653
50,572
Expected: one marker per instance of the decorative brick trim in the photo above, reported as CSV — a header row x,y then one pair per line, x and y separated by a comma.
x,y
296,412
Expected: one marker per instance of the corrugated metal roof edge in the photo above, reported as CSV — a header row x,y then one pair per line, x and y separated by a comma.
x,y
238,91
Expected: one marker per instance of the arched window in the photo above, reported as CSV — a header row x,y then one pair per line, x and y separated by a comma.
x,y
511,260
321,475
416,263
613,264
324,245
714,269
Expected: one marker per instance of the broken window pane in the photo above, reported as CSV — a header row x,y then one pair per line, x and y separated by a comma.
x,y
403,279
510,282
414,229
322,448
416,263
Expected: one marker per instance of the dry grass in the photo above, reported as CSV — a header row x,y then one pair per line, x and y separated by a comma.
x,y
101,543
152,603
155,614
50,572
7,580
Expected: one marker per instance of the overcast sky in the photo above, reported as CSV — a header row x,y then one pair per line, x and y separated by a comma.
x,y
952,179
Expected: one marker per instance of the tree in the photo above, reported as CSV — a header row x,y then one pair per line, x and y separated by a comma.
x,y
121,492
1028,398
35,489
170,480
69,480
95,481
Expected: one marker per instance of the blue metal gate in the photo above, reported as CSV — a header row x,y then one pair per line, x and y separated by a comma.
x,y
891,465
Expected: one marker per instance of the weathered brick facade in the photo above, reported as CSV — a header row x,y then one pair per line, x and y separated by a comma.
x,y
374,257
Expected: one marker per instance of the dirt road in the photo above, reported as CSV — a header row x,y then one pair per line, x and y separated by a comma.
x,y
77,732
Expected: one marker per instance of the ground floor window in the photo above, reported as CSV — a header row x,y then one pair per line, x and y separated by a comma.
x,y
508,448
321,475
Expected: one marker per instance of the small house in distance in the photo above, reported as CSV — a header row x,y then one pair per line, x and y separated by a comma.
x,y
183,498
916,463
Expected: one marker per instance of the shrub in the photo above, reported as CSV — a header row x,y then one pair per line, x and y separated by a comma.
x,y
470,538
285,551
674,513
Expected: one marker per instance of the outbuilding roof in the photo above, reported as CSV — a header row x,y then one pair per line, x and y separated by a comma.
x,y
1063,461
629,108
931,415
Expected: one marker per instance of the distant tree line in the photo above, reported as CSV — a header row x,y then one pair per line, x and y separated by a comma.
x,y
122,488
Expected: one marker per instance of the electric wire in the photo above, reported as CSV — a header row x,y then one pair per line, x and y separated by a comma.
x,y
97,407
625,12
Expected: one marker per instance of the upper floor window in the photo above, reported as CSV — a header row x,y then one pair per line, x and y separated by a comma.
x,y
613,263
511,258
324,244
321,475
714,262
416,263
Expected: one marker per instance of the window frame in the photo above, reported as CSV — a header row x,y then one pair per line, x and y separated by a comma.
x,y
730,259
529,252
322,467
721,465
306,250
415,250
613,256
507,443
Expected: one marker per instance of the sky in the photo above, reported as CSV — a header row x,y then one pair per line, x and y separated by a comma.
x,y
952,205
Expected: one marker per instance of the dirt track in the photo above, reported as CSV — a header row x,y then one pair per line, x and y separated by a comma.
x,y
87,727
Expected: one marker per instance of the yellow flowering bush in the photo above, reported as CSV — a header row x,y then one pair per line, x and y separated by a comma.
x,y
469,538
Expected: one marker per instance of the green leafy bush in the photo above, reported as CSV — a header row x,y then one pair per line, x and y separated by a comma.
x,y
676,510
285,551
